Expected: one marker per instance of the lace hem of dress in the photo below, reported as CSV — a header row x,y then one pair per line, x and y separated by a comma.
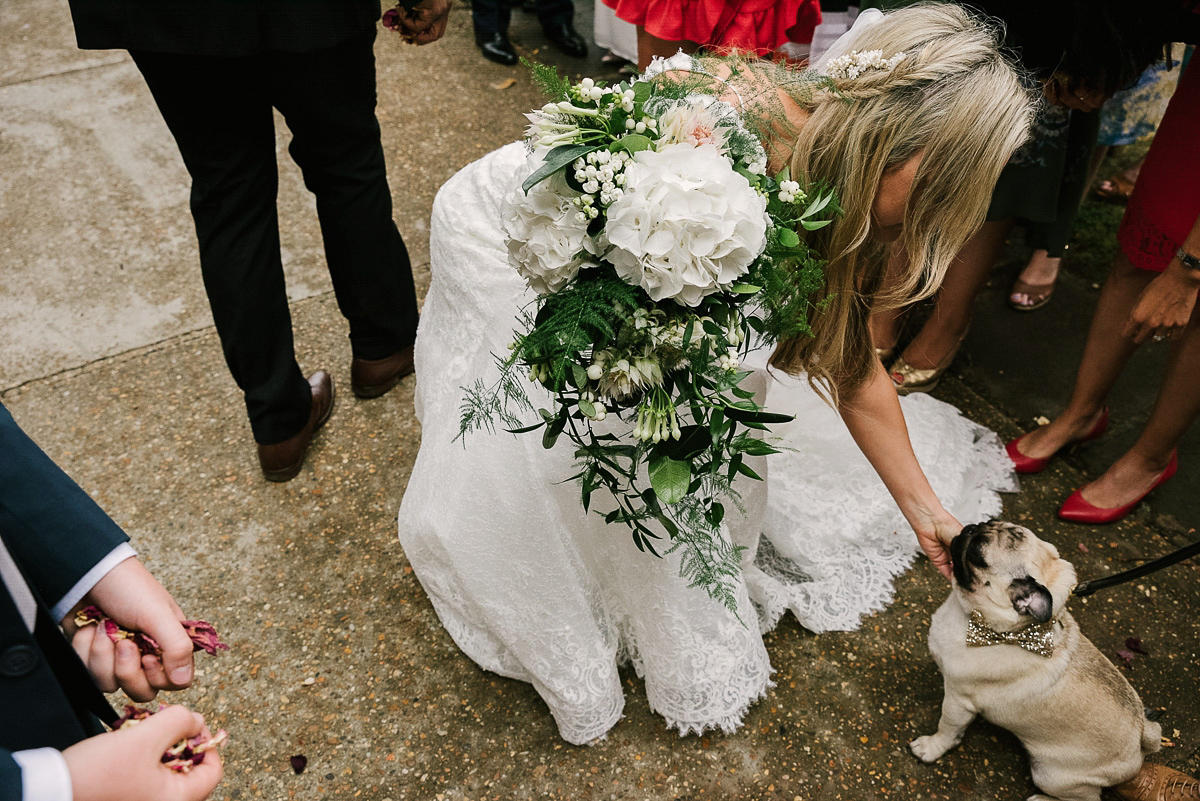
x,y
728,724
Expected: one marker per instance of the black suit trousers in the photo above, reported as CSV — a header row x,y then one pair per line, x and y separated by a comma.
x,y
491,16
219,110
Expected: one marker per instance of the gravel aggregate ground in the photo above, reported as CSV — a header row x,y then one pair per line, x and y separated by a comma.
x,y
108,359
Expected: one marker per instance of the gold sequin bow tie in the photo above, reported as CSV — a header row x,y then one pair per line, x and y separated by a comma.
x,y
1037,639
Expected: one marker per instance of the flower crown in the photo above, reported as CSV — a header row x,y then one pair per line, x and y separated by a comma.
x,y
856,62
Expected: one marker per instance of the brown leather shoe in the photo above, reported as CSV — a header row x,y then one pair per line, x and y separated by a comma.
x,y
370,378
283,460
1159,783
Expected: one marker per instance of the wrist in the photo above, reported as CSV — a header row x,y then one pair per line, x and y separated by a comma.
x,y
922,513
1185,266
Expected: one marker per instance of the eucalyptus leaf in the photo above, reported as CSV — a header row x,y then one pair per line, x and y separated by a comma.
x,y
746,471
692,440
579,374
526,429
743,415
666,522
670,478
553,429
817,205
788,238
633,143
556,159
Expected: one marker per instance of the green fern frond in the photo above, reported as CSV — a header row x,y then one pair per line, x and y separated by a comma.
x,y
546,77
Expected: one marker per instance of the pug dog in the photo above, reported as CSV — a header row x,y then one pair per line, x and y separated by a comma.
x,y
1009,651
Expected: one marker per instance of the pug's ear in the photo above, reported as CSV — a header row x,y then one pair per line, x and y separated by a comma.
x,y
1031,598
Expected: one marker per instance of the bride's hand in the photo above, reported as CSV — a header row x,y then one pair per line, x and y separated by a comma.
x,y
934,535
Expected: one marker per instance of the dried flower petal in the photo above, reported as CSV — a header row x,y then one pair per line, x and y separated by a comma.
x,y
132,715
299,763
1127,656
1135,644
202,634
1083,548
185,754
391,19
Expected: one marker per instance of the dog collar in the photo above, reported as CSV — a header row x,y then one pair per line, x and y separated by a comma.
x,y
1037,639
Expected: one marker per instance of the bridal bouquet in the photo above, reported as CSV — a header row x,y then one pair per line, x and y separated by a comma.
x,y
659,247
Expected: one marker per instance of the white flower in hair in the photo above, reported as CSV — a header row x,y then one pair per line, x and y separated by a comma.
x,y
856,62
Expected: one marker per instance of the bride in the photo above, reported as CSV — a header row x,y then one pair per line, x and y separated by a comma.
x,y
533,588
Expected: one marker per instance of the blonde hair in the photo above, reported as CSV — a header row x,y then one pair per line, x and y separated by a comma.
x,y
954,98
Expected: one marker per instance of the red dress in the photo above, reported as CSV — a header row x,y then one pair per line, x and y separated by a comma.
x,y
752,25
1166,198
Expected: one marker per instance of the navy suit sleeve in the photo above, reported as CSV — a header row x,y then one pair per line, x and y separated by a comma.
x,y
55,532
10,777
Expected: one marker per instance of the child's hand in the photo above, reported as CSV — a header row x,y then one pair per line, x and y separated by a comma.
x,y
126,765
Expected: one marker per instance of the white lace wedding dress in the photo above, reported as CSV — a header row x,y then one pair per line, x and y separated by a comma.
x,y
531,587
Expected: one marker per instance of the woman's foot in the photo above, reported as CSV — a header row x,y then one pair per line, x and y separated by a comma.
x,y
1118,187
920,367
1127,481
1044,442
1035,284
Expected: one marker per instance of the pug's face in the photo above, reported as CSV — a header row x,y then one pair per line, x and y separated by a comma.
x,y
1009,575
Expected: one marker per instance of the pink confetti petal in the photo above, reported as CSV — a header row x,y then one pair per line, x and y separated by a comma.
x,y
1135,644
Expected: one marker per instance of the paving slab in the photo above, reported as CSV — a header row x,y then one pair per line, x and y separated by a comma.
x,y
337,654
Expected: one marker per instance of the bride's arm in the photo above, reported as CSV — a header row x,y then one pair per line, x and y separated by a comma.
x,y
872,413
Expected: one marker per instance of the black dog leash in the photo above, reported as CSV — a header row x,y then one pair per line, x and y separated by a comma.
x,y
1089,587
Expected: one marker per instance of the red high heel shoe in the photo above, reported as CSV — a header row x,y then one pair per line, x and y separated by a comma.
x,y
1030,464
1078,510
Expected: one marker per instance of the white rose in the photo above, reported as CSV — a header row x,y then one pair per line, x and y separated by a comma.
x,y
687,225
547,235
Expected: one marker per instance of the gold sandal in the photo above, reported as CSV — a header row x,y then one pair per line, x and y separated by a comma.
x,y
914,379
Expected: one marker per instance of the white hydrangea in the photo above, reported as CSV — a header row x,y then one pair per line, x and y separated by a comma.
x,y
687,225
546,232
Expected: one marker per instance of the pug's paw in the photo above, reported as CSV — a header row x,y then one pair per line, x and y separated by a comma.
x,y
929,748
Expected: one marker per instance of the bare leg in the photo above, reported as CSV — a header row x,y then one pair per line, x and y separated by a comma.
x,y
952,313
650,46
1175,409
1099,154
1104,356
1038,278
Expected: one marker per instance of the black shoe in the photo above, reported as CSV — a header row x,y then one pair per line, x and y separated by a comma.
x,y
566,39
497,48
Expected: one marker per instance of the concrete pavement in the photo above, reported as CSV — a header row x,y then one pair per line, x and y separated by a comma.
x,y
108,359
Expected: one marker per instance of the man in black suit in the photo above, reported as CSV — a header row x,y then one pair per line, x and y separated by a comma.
x,y
58,551
491,17
216,68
